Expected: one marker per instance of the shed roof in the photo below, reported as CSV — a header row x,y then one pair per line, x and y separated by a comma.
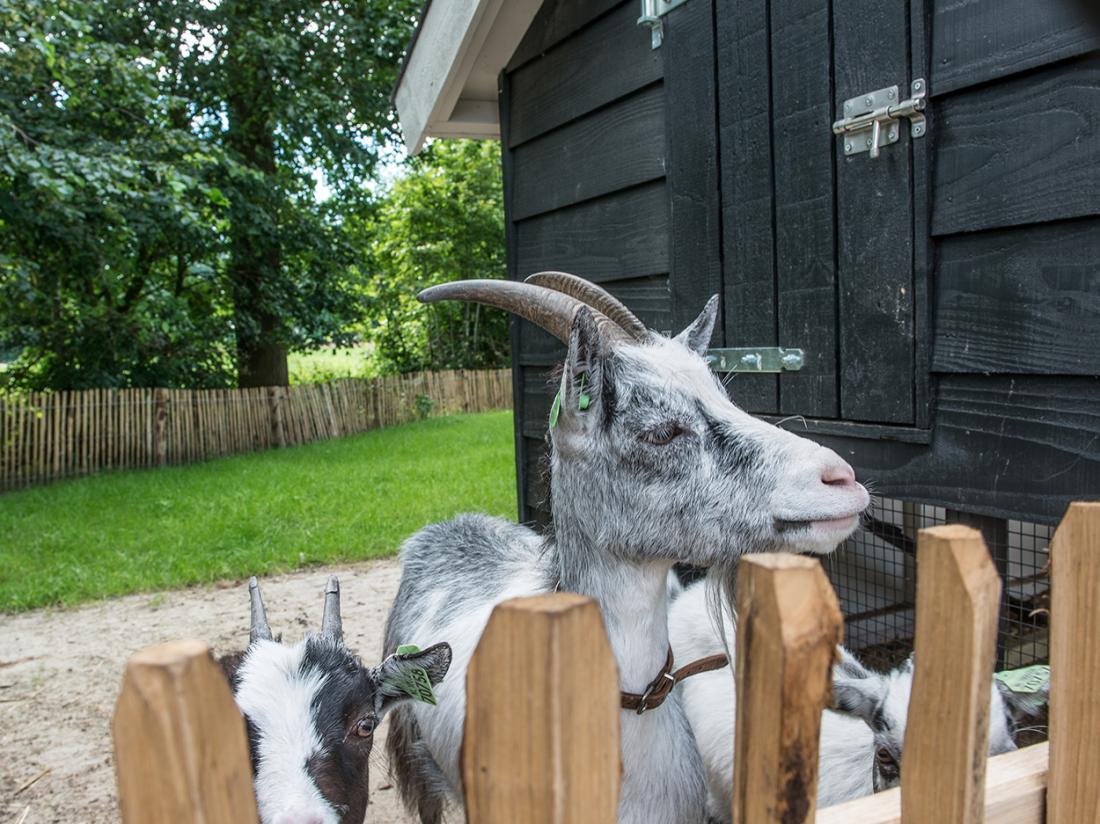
x,y
448,83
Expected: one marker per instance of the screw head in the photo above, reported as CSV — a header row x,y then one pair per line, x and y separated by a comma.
x,y
847,147
918,130
868,100
893,134
869,143
890,93
918,85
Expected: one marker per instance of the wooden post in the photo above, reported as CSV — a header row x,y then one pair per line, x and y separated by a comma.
x,y
160,426
275,405
947,734
181,753
542,716
788,627
1074,793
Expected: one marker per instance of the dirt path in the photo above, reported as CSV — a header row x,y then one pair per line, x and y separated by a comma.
x,y
60,672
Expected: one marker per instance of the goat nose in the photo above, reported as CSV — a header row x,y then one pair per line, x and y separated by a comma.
x,y
838,473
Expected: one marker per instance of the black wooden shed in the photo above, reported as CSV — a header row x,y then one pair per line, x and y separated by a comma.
x,y
946,293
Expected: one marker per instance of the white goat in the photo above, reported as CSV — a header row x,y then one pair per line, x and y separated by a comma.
x,y
860,745
650,463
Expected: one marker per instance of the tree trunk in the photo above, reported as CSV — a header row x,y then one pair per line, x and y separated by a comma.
x,y
255,251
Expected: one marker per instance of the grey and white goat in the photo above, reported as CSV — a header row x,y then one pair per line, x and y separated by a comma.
x,y
650,463
311,709
861,743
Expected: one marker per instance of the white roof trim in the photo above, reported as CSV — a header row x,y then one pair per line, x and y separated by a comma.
x,y
448,87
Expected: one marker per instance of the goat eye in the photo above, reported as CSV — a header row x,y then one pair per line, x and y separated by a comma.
x,y
885,761
662,435
364,727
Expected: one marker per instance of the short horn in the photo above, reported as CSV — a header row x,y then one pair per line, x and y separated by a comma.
x,y
553,311
260,631
331,624
595,296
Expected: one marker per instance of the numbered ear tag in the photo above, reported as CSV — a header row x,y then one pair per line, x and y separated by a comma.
x,y
414,681
1027,680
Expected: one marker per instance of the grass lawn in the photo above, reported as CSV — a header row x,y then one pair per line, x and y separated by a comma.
x,y
328,363
340,500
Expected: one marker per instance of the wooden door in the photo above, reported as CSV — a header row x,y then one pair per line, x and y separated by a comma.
x,y
819,249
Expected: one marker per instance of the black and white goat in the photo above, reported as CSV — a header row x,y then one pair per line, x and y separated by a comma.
x,y
311,709
650,463
860,747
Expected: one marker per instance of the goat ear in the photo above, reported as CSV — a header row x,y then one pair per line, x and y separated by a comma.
x,y
1024,691
849,667
399,676
230,666
579,396
697,336
856,690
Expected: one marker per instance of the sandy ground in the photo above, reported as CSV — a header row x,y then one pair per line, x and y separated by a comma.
x,y
60,672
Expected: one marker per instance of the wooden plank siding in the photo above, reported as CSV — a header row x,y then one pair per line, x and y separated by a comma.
x,y
583,116
947,293
806,281
875,313
748,193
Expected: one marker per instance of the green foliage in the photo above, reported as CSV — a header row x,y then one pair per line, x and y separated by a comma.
x,y
158,162
336,501
443,220
106,201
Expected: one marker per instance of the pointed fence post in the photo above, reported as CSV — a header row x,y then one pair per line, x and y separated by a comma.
x,y
787,630
1074,790
541,744
181,753
947,734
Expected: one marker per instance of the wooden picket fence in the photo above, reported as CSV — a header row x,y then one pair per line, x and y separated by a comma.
x,y
52,435
541,744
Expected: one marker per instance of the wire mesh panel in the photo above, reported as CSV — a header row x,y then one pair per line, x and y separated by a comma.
x,y
874,574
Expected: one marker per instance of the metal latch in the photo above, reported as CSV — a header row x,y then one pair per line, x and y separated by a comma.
x,y
652,12
870,121
755,359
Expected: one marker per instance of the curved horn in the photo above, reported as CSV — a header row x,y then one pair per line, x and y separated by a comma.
x,y
553,311
331,624
595,296
259,630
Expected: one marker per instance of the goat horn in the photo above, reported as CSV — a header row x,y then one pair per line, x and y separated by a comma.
x,y
553,311
259,631
331,624
595,296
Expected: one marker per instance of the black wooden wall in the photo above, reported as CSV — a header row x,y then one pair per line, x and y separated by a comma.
x,y
947,293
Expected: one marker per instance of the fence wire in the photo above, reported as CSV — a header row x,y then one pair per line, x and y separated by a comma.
x,y
874,575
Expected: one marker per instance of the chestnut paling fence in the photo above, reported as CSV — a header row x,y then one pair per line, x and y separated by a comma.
x,y
46,436
542,730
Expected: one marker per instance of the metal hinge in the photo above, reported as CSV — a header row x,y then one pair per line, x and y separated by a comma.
x,y
870,121
755,359
652,11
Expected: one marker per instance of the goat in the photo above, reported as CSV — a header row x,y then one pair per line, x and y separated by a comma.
x,y
311,709
861,741
650,463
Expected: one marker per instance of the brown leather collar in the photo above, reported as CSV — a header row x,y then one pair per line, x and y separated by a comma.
x,y
660,687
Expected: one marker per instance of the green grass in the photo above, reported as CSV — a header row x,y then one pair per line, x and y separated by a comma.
x,y
327,364
340,500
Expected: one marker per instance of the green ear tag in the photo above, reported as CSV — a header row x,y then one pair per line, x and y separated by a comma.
x,y
415,682
555,410
583,401
1027,680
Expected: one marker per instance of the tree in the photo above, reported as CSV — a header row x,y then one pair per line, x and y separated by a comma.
x,y
110,226
442,220
162,157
